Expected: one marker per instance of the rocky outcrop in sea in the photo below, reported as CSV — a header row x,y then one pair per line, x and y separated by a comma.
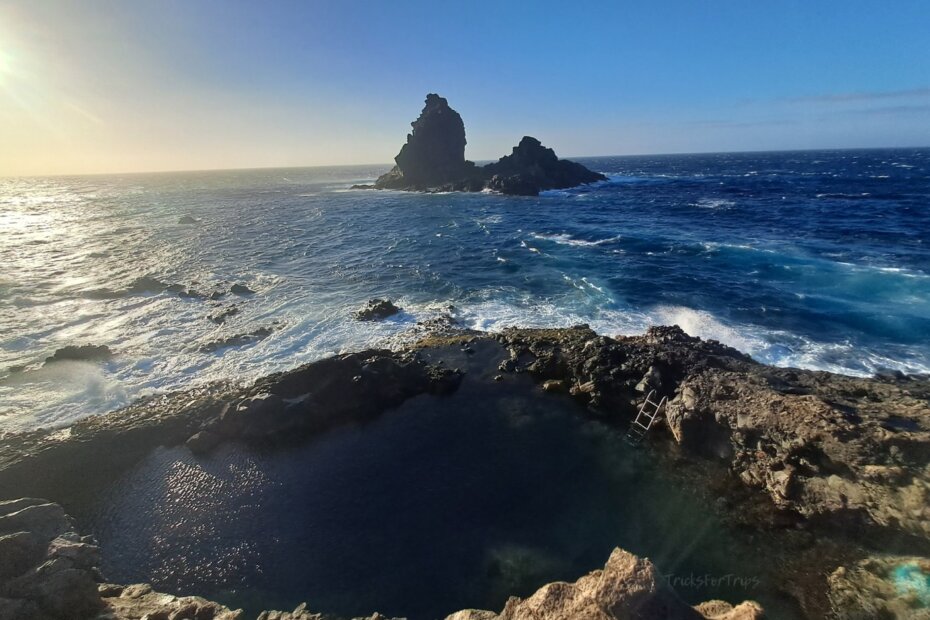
x,y
830,473
433,159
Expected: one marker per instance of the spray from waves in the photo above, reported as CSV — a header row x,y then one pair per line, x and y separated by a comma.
x,y
706,326
64,387
494,315
766,346
780,348
566,239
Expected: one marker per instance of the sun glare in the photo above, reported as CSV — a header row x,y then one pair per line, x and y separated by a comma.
x,y
5,66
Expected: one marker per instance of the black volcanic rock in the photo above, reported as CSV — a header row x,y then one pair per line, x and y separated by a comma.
x,y
83,353
532,168
433,159
377,309
435,150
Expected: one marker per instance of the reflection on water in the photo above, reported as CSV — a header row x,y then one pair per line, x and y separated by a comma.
x,y
814,260
435,507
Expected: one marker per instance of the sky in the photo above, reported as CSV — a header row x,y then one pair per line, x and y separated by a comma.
x,y
92,86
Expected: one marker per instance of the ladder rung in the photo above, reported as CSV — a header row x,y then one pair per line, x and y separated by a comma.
x,y
638,429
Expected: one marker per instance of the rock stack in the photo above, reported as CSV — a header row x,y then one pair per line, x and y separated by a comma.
x,y
433,159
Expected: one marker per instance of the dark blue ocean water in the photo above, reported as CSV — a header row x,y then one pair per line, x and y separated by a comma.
x,y
810,259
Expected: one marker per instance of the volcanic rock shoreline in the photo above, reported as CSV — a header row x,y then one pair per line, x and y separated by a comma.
x,y
433,160
831,473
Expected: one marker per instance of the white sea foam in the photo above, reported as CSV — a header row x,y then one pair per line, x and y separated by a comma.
x,y
768,346
317,260
714,203
713,246
566,239
705,325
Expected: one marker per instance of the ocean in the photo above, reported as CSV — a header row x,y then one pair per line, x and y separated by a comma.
x,y
815,259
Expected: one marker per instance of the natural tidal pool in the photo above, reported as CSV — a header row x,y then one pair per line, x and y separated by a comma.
x,y
441,504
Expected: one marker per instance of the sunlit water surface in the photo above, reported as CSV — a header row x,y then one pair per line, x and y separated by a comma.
x,y
815,259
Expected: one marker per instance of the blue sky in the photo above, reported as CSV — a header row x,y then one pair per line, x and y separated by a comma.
x,y
122,85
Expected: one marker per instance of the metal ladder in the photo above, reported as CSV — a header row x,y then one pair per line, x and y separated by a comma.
x,y
648,414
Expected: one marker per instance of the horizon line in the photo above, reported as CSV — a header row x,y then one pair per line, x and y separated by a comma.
x,y
385,164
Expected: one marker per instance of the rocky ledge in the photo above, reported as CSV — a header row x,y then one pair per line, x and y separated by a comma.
x,y
48,570
433,160
287,406
824,448
627,587
832,470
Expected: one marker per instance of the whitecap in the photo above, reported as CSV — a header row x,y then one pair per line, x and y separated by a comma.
x,y
714,203
566,239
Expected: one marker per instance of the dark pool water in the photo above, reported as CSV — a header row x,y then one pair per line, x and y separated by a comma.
x,y
442,504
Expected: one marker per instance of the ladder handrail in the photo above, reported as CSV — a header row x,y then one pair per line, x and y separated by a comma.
x,y
634,434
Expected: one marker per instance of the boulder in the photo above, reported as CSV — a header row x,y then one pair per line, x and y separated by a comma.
x,y
240,289
145,284
531,168
377,309
140,601
627,587
84,353
18,552
46,520
219,317
237,340
47,570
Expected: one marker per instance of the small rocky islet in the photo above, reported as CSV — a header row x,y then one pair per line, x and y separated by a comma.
x,y
433,160
829,473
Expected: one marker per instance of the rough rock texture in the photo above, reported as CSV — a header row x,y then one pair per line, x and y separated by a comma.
x,y
882,587
237,340
87,352
839,467
240,289
840,450
433,159
140,602
830,448
220,315
377,309
626,588
47,570
532,167
435,150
